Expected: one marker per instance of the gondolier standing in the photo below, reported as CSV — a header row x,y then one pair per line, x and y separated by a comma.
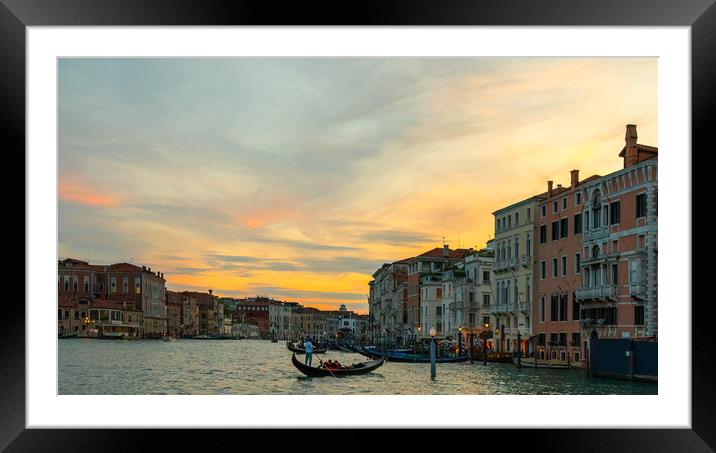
x,y
309,351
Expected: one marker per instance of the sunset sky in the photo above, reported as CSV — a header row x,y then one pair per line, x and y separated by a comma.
x,y
298,178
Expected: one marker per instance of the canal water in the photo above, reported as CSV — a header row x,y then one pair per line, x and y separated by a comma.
x,y
255,367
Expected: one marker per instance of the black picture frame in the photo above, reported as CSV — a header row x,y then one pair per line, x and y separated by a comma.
x,y
699,15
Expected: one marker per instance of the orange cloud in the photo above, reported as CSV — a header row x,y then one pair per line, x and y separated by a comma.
x,y
76,192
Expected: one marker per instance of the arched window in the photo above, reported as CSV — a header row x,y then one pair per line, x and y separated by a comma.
x,y
596,209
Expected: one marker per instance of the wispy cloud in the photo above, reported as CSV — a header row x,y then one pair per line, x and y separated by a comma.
x,y
302,176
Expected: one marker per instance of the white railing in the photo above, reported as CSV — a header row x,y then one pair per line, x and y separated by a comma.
x,y
598,292
597,233
526,260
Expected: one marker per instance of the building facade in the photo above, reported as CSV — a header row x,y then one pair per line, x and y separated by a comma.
x,y
513,267
556,312
618,298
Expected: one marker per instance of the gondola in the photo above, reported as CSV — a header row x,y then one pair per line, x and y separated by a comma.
x,y
410,357
361,368
345,349
295,349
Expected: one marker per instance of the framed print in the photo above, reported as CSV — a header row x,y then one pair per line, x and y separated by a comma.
x,y
429,227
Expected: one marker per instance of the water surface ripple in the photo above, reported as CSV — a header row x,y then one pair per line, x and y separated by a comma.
x,y
253,367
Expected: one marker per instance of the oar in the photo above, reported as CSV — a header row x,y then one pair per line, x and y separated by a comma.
x,y
322,363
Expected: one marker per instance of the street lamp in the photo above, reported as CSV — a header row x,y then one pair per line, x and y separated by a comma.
x,y
459,340
432,353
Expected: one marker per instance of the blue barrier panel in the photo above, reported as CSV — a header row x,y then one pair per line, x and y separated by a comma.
x,y
646,355
610,357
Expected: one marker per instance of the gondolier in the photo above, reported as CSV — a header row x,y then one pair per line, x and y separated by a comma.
x,y
308,346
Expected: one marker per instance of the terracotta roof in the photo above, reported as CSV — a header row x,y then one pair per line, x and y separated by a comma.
x,y
437,252
406,260
125,267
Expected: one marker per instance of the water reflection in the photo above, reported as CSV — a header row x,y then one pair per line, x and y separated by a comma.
x,y
261,367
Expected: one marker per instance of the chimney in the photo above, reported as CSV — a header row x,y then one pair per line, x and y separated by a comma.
x,y
149,269
575,178
446,250
549,187
631,152
211,291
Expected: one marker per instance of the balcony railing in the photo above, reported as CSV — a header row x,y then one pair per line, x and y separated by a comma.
x,y
597,292
509,263
637,290
596,233
526,260
499,308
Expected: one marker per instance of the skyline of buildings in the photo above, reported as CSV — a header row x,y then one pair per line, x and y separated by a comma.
x,y
570,264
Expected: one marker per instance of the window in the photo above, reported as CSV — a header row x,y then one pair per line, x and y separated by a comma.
x,y
113,287
77,314
529,213
563,307
641,205
564,203
86,284
67,314
542,339
542,270
486,276
438,293
586,221
577,223
485,320
577,262
575,308
578,198
125,285
555,230
635,271
638,315
554,268
59,314
615,274
564,266
528,245
554,308
517,218
439,327
555,206
614,213
509,221
67,282
543,210
471,318
563,228
576,339
542,234
486,300
438,311
74,283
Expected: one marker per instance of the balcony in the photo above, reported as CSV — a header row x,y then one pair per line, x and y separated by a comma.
x,y
596,233
598,292
526,260
499,308
503,265
637,290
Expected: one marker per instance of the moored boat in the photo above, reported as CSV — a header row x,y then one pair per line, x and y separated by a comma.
x,y
360,368
531,362
410,357
295,349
